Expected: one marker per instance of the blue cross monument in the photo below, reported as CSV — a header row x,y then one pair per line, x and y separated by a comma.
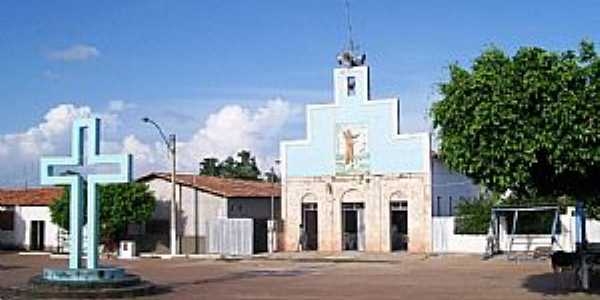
x,y
76,181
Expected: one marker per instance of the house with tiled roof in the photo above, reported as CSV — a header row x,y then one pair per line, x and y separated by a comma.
x,y
204,198
25,221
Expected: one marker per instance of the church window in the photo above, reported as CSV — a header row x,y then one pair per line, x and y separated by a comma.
x,y
351,86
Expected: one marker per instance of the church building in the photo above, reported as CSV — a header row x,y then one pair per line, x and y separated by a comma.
x,y
356,182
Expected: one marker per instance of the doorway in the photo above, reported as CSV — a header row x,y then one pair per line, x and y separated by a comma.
x,y
36,237
353,227
259,241
311,224
399,225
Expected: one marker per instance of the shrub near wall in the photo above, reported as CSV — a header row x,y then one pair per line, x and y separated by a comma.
x,y
473,217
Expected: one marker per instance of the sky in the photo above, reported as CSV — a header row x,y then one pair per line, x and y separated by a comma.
x,y
231,75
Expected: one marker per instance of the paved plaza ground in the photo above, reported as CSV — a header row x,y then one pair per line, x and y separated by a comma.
x,y
397,277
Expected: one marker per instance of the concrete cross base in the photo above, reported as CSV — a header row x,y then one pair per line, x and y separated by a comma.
x,y
85,283
83,275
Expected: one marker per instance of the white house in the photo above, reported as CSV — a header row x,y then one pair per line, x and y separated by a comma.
x,y
202,199
25,221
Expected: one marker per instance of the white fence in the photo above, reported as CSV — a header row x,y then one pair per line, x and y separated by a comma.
x,y
446,241
231,236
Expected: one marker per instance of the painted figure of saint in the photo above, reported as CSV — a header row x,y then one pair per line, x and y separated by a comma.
x,y
349,142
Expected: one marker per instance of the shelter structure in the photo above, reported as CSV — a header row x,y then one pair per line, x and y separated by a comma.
x,y
508,217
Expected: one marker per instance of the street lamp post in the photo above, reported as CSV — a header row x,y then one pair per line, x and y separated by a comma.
x,y
172,149
272,228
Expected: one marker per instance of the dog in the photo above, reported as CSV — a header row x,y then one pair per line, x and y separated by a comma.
x,y
563,261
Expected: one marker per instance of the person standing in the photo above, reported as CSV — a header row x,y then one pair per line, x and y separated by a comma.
x,y
301,239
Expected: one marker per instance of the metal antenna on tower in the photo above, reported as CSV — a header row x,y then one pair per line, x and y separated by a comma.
x,y
349,57
349,24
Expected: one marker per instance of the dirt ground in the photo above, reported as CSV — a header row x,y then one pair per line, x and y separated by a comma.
x,y
410,277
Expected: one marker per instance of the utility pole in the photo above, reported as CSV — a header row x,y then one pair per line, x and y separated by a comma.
x,y
171,144
272,224
174,209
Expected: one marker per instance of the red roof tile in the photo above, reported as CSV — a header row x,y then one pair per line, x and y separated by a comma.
x,y
30,197
226,187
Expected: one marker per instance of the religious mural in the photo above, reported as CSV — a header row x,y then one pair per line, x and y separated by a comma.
x,y
352,154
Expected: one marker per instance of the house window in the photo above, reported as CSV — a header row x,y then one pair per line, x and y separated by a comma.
x,y
351,86
7,220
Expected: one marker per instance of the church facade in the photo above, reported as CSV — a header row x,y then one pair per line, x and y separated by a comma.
x,y
356,183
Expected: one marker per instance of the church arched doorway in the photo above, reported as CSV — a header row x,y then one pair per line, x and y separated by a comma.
x,y
398,221
310,222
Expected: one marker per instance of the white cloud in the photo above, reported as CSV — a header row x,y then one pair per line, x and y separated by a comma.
x,y
20,152
47,137
224,133
74,53
147,158
234,128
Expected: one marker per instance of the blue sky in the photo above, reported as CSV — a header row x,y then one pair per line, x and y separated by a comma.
x,y
182,62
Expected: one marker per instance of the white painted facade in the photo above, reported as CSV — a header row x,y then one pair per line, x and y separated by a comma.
x,y
20,236
209,206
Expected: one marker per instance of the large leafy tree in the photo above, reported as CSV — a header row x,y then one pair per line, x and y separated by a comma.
x,y
243,168
120,205
528,122
210,167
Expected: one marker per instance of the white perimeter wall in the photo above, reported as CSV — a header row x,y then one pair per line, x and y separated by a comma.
x,y
445,241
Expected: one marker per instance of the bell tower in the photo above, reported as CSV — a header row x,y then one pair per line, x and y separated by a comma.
x,y
351,77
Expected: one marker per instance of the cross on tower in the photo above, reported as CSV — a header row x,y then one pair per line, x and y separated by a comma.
x,y
75,182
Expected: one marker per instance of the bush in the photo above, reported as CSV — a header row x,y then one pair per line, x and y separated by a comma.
x,y
473,217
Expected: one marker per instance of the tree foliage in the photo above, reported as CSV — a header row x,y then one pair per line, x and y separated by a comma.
x,y
474,216
243,168
271,176
120,205
529,123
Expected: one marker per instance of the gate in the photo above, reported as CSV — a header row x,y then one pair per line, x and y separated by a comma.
x,y
231,236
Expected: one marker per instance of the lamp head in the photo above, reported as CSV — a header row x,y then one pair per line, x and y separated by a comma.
x,y
146,120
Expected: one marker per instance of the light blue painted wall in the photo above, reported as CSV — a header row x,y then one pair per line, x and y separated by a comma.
x,y
390,153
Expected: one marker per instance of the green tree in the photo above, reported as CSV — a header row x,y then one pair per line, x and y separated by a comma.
x,y
528,123
228,168
243,168
120,205
210,167
246,166
474,216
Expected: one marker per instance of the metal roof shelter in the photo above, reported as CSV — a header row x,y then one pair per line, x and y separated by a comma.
x,y
515,210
